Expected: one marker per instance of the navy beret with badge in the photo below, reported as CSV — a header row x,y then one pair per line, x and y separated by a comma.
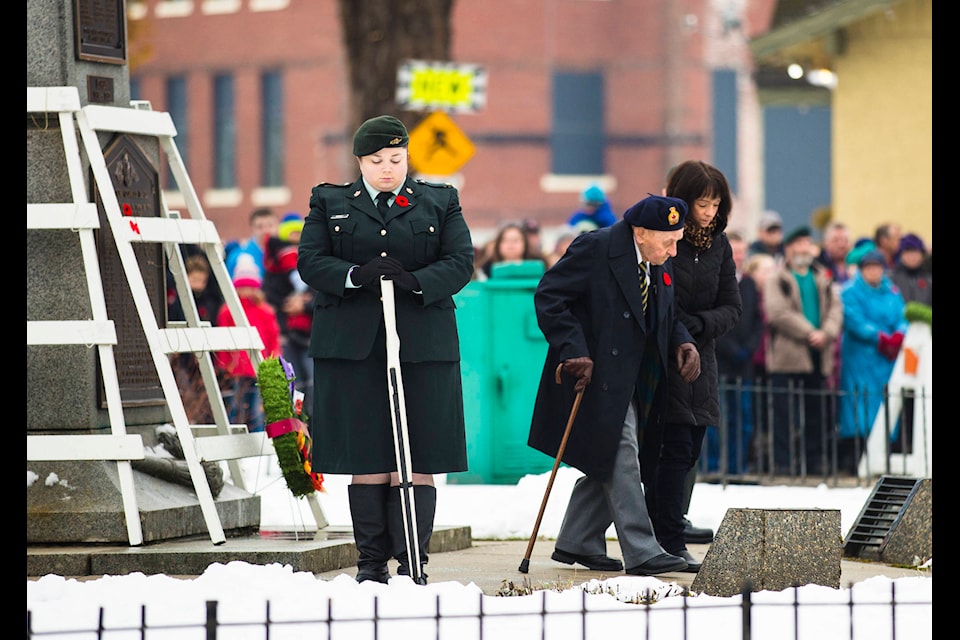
x,y
658,213
379,133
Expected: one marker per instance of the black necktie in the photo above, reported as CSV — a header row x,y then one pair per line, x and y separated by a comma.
x,y
644,289
382,198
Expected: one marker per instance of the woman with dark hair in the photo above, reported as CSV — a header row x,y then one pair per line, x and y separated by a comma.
x,y
708,304
511,245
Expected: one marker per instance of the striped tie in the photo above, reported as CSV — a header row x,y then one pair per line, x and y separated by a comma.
x,y
644,289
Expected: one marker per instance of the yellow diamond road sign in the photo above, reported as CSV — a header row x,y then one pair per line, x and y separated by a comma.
x,y
438,147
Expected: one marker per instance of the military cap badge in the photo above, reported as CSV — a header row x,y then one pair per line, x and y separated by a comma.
x,y
673,216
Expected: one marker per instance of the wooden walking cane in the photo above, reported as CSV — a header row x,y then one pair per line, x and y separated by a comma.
x,y
525,563
401,443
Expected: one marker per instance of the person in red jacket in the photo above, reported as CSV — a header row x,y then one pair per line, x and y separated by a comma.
x,y
238,371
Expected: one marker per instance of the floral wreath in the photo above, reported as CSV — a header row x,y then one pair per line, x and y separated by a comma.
x,y
290,436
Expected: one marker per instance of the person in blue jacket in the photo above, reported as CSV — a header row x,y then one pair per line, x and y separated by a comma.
x,y
595,211
873,328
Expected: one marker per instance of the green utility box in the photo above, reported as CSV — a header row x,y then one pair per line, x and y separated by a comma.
x,y
502,352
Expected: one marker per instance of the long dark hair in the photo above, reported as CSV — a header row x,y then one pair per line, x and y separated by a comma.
x,y
503,231
695,179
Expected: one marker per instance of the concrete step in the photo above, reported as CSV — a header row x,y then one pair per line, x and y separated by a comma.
x,y
329,549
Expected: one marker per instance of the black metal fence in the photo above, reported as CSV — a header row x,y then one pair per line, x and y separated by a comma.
x,y
766,432
879,617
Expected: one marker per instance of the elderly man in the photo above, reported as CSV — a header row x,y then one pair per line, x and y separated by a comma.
x,y
606,309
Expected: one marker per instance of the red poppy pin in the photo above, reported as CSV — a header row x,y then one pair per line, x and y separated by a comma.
x,y
127,209
666,279
401,201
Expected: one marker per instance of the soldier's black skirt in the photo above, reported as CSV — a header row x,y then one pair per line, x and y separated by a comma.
x,y
351,425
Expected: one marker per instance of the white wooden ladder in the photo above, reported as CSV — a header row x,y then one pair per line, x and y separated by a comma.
x,y
227,442
81,217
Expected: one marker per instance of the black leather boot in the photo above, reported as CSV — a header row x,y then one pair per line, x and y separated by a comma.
x,y
368,510
425,501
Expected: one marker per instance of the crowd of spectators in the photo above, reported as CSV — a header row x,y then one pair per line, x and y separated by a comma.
x,y
841,303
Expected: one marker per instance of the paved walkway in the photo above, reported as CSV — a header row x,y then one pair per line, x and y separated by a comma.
x,y
493,564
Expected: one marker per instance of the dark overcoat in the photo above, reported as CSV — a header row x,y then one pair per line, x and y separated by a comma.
x,y
735,349
588,304
426,232
709,305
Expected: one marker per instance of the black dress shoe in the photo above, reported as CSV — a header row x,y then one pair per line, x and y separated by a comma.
x,y
594,563
693,565
696,535
663,563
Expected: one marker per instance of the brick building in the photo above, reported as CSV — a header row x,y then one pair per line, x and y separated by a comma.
x,y
578,91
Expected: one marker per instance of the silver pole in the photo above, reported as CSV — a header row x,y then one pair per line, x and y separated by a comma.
x,y
398,416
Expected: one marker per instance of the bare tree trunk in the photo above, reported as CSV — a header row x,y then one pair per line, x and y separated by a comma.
x,y
379,35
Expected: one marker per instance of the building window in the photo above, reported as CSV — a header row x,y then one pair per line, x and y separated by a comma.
x,y
224,133
177,108
725,124
135,90
271,108
577,139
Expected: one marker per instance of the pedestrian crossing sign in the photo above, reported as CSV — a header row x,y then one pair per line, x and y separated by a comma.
x,y
438,147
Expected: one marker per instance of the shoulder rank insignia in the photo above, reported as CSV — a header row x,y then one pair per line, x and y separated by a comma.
x,y
440,185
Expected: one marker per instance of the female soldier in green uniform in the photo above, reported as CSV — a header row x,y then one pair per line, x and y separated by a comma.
x,y
413,233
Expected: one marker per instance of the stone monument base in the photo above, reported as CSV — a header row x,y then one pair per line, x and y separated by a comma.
x,y
80,501
772,550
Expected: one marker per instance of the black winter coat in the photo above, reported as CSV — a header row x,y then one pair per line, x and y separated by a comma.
x,y
708,304
588,304
735,349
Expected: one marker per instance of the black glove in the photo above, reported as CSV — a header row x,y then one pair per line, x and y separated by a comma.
x,y
369,273
402,279
582,368
688,361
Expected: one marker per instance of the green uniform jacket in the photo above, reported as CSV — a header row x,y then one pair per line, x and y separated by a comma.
x,y
428,236
350,422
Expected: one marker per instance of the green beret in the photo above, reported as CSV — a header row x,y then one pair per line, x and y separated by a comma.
x,y
796,234
379,133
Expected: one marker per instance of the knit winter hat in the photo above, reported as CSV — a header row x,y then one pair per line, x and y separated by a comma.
x,y
859,250
871,257
378,133
246,273
291,223
912,241
593,195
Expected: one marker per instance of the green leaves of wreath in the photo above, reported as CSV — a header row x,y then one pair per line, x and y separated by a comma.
x,y
290,436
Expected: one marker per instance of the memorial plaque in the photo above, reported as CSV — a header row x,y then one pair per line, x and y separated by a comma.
x,y
101,30
137,185
99,90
